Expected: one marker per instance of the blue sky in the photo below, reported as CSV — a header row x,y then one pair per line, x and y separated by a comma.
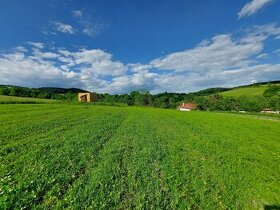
x,y
117,46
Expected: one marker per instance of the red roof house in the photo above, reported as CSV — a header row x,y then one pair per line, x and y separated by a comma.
x,y
187,106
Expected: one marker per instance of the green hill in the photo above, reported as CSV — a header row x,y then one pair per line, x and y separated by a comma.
x,y
245,91
56,90
209,91
43,92
249,90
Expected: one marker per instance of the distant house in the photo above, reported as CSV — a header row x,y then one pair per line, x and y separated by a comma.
x,y
270,111
86,97
187,106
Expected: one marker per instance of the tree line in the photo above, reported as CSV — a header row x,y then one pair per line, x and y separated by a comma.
x,y
46,93
208,99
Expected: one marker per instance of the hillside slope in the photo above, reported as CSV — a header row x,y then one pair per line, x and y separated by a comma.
x,y
44,92
245,91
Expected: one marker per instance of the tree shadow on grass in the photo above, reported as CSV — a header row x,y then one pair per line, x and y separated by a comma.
x,y
271,207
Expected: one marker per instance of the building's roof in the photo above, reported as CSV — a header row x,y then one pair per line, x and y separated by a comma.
x,y
187,106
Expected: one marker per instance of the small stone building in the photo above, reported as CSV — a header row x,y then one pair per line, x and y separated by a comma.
x,y
86,97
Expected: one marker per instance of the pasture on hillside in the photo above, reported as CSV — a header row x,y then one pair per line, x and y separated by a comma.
x,y
246,91
81,156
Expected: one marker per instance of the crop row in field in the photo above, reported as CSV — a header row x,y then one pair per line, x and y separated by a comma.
x,y
78,156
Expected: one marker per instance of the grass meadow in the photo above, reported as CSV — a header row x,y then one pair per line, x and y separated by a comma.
x,y
56,156
24,100
246,91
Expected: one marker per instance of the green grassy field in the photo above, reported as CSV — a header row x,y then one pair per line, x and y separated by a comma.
x,y
22,100
92,157
246,91
258,115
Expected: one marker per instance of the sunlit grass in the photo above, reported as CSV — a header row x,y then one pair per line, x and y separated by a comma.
x,y
22,100
246,91
72,156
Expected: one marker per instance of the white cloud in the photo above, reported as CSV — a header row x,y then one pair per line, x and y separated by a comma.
x,y
224,60
83,24
221,52
88,31
64,52
98,62
217,78
252,7
77,13
138,67
84,68
137,81
62,27
20,49
89,27
38,55
264,31
277,52
16,68
36,44
263,55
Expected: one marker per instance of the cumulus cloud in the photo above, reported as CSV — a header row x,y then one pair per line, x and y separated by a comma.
x,y
19,69
221,52
63,27
94,61
138,67
224,60
172,82
83,68
143,80
252,7
38,55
